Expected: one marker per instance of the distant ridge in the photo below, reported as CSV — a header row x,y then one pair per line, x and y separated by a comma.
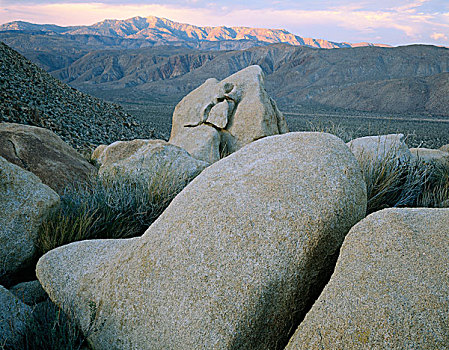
x,y
162,31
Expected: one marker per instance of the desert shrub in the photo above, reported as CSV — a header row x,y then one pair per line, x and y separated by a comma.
x,y
108,207
49,328
386,182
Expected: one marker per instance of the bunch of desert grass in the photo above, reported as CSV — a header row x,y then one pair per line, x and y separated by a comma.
x,y
48,327
388,183
395,182
117,206
435,187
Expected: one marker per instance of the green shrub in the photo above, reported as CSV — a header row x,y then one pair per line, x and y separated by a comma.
x,y
108,207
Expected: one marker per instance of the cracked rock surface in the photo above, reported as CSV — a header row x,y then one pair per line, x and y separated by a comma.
x,y
237,108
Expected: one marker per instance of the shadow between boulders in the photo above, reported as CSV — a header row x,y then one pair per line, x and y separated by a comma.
x,y
299,309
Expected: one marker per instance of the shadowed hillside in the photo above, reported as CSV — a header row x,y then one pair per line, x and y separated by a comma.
x,y
31,96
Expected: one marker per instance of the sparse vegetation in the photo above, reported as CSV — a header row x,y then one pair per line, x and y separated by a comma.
x,y
435,187
49,327
394,182
421,130
108,207
390,182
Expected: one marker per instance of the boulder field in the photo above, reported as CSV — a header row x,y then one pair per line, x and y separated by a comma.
x,y
233,262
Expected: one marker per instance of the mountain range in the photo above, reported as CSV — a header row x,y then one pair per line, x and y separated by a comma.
x,y
154,59
410,79
161,31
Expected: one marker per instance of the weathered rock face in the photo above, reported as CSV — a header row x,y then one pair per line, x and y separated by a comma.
x,y
119,150
24,202
430,156
390,287
378,148
231,262
157,159
13,317
44,154
221,117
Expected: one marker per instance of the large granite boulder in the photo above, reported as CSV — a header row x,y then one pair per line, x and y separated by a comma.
x,y
220,117
378,149
232,263
155,160
390,287
14,316
44,154
429,156
117,151
24,203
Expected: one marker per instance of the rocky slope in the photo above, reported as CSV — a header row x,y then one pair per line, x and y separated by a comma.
x,y
28,95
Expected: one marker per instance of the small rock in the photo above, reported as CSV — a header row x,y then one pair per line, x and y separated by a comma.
x,y
430,156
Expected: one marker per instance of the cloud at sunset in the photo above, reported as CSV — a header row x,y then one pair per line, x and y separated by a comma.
x,y
406,22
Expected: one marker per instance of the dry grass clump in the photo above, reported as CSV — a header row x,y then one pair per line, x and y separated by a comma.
x,y
331,128
48,327
435,187
108,207
392,182
387,179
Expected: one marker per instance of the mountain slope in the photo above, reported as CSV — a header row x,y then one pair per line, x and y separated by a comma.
x,y
402,79
163,31
28,95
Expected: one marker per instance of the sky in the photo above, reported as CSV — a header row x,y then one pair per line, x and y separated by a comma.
x,y
393,22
